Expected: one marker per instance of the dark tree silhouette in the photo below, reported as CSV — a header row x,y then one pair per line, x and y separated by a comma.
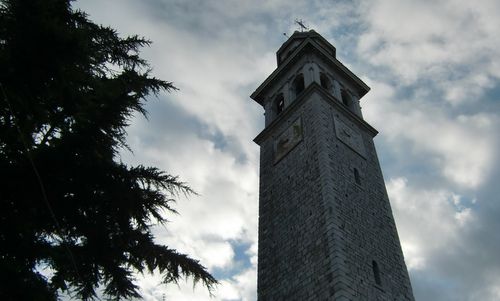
x,y
68,88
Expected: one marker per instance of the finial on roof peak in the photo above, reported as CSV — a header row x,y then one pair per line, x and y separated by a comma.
x,y
301,24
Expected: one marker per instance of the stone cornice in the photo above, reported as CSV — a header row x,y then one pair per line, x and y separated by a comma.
x,y
308,45
303,97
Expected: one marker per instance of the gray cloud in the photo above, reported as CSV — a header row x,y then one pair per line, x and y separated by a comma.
x,y
433,67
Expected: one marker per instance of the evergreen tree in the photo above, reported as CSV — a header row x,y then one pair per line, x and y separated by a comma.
x,y
68,89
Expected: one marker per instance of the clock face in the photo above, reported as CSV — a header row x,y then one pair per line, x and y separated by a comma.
x,y
287,140
349,136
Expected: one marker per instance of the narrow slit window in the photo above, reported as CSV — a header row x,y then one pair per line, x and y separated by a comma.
x,y
357,178
325,82
346,98
376,272
298,84
279,103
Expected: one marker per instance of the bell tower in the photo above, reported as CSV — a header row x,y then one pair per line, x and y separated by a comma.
x,y
326,229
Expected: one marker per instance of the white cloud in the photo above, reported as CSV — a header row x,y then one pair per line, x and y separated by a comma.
x,y
461,147
241,287
225,211
445,243
451,44
216,74
428,221
246,284
218,52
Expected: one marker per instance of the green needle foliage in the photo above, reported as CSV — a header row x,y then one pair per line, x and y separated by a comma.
x,y
68,89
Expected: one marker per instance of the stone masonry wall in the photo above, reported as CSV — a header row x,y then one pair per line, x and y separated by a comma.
x,y
359,219
320,231
293,249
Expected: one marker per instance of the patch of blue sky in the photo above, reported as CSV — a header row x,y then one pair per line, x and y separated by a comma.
x,y
241,261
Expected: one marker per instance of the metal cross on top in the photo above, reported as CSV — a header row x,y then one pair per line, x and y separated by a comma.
x,y
302,27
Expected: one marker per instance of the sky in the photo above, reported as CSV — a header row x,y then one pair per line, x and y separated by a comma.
x,y
434,72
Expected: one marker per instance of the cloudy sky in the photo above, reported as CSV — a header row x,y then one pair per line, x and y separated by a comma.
x,y
434,72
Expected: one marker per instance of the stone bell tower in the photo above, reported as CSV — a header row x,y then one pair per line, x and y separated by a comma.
x,y
326,230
